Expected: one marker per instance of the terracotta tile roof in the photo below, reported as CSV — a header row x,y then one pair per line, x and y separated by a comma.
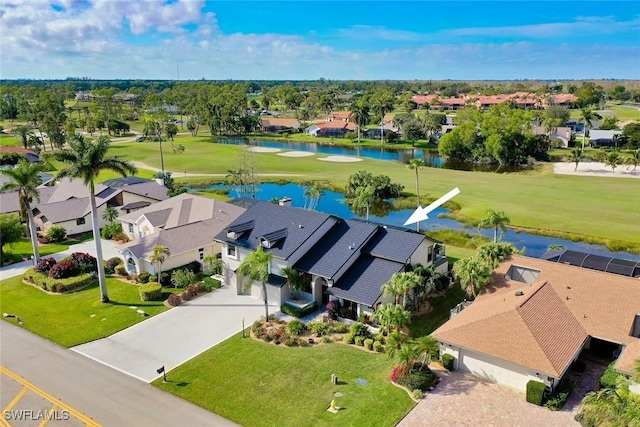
x,y
421,99
340,115
543,332
336,125
453,101
19,150
277,121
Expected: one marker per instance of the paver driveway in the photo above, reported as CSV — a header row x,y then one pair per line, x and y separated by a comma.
x,y
463,400
176,335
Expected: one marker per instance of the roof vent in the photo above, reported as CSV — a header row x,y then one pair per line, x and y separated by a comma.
x,y
519,293
300,226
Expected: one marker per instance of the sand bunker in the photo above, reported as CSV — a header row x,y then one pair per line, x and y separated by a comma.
x,y
595,169
264,149
341,159
296,154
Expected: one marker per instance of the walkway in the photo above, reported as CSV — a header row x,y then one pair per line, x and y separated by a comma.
x,y
175,336
108,397
108,251
461,399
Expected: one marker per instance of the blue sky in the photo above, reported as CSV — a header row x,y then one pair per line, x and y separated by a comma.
x,y
337,40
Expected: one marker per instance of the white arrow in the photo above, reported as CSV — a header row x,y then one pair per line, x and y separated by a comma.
x,y
420,214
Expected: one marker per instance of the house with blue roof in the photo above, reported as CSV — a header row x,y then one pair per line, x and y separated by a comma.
x,y
341,260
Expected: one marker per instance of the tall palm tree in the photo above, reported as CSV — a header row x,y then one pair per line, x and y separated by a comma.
x,y
86,159
576,156
587,117
497,220
473,273
613,159
25,178
634,159
159,256
365,197
360,115
255,268
24,132
416,165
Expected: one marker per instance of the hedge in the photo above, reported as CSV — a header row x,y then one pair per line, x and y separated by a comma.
x,y
193,266
151,291
447,361
58,285
535,392
210,283
297,311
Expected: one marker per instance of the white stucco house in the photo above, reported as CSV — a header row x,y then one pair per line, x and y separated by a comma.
x,y
343,260
185,224
538,316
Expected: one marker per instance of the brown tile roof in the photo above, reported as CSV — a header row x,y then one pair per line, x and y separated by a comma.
x,y
19,150
341,115
421,99
277,121
543,332
336,125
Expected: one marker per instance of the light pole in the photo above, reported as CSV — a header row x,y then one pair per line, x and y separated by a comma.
x,y
243,334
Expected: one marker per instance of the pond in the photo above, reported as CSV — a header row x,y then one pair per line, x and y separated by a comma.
x,y
333,203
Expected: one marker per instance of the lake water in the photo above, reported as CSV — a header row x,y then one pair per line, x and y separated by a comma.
x,y
333,203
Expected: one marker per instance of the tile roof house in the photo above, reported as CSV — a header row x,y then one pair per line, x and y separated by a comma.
x,y
278,125
30,155
538,317
185,224
345,260
335,129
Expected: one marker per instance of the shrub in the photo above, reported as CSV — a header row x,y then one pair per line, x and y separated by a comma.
x,y
59,285
257,329
297,311
121,270
63,269
368,343
153,278
182,278
341,328
166,278
210,284
111,230
535,391
295,327
350,339
419,378
291,342
186,296
150,291
333,309
144,277
610,377
44,265
358,340
193,289
111,264
378,347
360,329
417,394
398,372
56,234
559,396
379,337
319,329
325,340
174,300
447,361
86,263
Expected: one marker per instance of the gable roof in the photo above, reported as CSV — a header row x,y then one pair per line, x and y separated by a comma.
x,y
149,189
596,134
566,304
394,243
278,121
64,210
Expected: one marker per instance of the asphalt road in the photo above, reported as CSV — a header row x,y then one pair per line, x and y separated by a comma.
x,y
110,397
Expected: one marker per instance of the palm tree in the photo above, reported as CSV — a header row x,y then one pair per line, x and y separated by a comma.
x,y
382,316
576,156
613,159
394,342
255,268
393,287
25,178
634,159
473,273
416,165
110,214
295,280
425,346
496,220
406,356
86,159
159,256
399,317
588,116
365,197
24,132
360,115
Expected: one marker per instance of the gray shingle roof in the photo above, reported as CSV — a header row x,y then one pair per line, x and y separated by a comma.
x,y
65,210
395,244
150,189
362,282
122,182
300,225
343,241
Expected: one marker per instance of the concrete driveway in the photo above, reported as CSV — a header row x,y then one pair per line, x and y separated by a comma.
x,y
461,399
177,335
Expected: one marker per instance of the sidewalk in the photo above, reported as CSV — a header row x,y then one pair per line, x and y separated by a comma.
x,y
18,268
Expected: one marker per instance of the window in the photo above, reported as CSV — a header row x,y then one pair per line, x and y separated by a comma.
x,y
201,250
130,228
80,221
231,251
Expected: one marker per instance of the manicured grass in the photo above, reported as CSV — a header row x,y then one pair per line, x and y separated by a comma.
x,y
429,322
625,113
15,251
455,253
67,319
257,384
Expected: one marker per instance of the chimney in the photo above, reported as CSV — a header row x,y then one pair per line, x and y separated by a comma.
x,y
285,201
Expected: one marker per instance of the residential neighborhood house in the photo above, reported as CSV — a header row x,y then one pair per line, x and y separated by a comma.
x,y
279,125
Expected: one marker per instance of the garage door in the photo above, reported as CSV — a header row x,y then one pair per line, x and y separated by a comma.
x,y
475,364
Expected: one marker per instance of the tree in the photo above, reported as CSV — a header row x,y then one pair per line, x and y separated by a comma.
x,y
360,115
159,256
416,165
425,346
613,159
393,288
496,220
25,178
576,156
588,116
494,253
86,159
634,159
110,214
24,132
255,268
406,357
11,230
364,198
401,284
473,273
412,131
295,279
383,316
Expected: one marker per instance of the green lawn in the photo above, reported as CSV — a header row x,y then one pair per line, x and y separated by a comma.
x,y
257,384
427,323
625,113
15,251
76,318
